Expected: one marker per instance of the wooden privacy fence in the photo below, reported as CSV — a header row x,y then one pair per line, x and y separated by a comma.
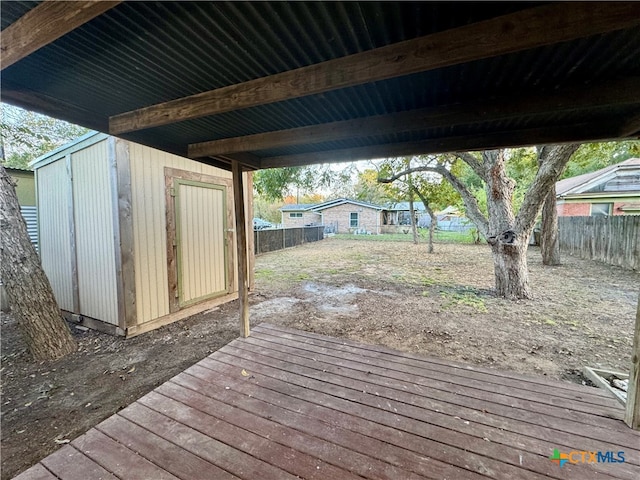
x,y
614,240
277,239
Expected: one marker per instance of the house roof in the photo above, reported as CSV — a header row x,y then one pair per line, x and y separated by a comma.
x,y
341,201
297,207
318,207
271,84
404,206
585,181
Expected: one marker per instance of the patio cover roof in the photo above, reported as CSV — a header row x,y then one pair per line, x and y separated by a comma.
x,y
292,83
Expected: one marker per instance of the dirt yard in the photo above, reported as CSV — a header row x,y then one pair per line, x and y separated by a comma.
x,y
376,292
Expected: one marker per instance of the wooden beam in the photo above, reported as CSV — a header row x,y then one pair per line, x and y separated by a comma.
x,y
44,24
52,107
631,128
241,247
616,92
531,28
513,138
247,160
632,413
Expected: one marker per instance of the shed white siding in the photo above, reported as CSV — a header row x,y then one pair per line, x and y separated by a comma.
x,y
54,224
94,229
148,207
108,222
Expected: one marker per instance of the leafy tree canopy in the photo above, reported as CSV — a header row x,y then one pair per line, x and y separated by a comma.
x,y
276,183
25,135
594,156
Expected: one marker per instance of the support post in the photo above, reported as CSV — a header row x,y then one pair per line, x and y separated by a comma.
x,y
632,414
241,247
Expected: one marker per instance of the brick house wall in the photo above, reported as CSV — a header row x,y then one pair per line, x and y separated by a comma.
x,y
617,208
573,209
583,209
369,219
306,219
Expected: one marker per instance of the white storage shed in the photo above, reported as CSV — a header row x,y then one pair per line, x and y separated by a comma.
x,y
133,238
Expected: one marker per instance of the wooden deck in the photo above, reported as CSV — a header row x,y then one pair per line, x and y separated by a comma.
x,y
289,404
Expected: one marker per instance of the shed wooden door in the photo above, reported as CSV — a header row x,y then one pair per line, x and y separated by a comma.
x,y
200,240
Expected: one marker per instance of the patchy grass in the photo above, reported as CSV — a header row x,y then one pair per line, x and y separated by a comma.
x,y
440,236
442,303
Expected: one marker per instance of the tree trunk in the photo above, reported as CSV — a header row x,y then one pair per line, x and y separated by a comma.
x,y
30,296
434,220
510,266
412,213
432,228
549,240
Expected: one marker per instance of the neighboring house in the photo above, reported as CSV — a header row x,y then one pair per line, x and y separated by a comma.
x,y
133,238
614,190
338,216
26,192
399,214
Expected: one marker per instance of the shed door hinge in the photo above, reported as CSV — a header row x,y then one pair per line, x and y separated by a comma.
x,y
172,192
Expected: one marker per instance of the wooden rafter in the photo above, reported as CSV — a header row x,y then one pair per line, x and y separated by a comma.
x,y
512,138
248,160
535,27
620,92
631,128
44,24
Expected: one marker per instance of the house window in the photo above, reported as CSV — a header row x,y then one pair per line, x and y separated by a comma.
x,y
353,220
295,215
598,209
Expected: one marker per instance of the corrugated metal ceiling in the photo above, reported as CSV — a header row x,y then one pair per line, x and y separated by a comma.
x,y
142,53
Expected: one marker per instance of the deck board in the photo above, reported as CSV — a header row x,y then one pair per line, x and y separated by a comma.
x,y
289,404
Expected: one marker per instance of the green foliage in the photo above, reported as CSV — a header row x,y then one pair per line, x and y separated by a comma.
x,y
594,156
27,135
439,193
522,167
367,188
467,298
267,210
277,183
441,236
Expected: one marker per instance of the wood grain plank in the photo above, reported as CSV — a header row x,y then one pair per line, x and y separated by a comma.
x,y
423,361
575,132
191,409
241,247
194,391
465,452
632,411
37,472
615,92
300,401
70,464
118,459
457,372
346,376
231,459
352,462
44,24
535,27
166,455
125,223
611,433
289,344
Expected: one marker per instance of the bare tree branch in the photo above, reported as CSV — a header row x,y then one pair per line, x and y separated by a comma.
x,y
552,162
471,204
476,165
408,171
